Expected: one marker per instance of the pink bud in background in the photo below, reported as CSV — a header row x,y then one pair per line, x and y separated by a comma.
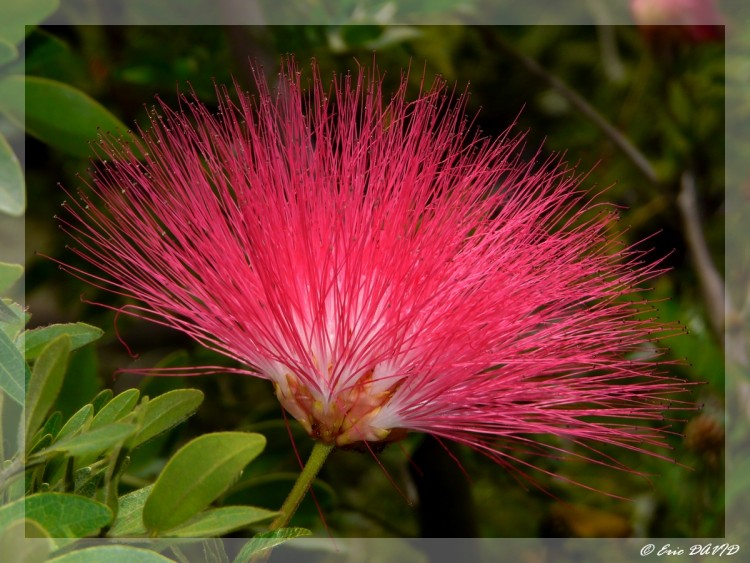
x,y
385,267
695,21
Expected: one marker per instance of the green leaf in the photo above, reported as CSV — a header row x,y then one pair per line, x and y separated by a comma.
x,y
11,369
197,474
15,541
93,441
267,540
166,411
47,55
71,428
51,428
102,398
17,14
12,184
76,422
210,523
77,391
52,425
80,334
12,318
56,113
117,408
10,512
129,521
62,515
46,380
8,51
86,481
9,275
7,315
111,554
41,442
219,521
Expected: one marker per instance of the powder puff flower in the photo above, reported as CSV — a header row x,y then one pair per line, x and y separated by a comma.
x,y
384,265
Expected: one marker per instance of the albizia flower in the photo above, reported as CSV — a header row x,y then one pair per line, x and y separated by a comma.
x,y
384,267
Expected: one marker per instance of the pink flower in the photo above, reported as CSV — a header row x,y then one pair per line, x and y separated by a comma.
x,y
695,21
384,267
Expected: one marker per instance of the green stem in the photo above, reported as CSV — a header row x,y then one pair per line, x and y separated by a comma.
x,y
318,456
